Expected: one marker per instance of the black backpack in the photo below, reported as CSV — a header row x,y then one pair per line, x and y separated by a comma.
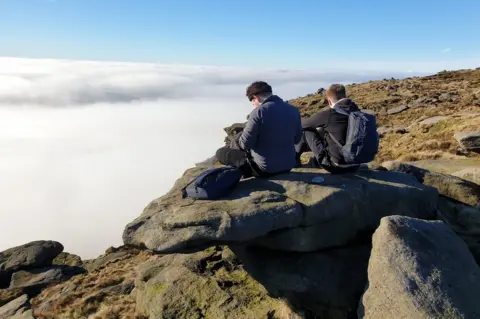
x,y
362,140
213,183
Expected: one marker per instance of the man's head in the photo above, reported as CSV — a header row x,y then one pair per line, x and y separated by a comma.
x,y
335,93
258,92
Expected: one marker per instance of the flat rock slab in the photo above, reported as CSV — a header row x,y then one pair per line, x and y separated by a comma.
x,y
43,276
471,174
420,269
397,110
469,140
15,307
7,295
447,166
433,120
449,186
286,212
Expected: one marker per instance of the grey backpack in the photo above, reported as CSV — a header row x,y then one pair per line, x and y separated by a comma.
x,y
362,140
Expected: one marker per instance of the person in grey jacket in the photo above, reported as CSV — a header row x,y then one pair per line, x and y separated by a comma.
x,y
266,146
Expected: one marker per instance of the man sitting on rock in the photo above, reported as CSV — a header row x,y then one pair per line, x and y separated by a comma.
x,y
325,133
266,146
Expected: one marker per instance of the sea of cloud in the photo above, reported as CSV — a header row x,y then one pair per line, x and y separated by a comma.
x,y
85,146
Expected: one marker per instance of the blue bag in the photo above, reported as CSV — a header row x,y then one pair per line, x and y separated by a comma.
x,y
213,183
362,140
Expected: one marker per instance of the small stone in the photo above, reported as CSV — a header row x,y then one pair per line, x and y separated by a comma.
x,y
397,110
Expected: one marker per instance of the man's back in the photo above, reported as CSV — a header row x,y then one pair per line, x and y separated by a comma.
x,y
271,133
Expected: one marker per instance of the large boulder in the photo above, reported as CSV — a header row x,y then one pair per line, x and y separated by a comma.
x,y
207,284
449,186
420,269
32,255
327,283
286,212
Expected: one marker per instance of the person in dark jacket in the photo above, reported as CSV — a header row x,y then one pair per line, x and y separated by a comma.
x,y
316,129
266,146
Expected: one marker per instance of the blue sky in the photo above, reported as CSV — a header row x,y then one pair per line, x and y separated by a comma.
x,y
266,33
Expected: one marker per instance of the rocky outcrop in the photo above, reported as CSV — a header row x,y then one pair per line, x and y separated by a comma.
x,y
287,212
32,255
469,140
232,131
17,309
207,284
420,269
449,186
29,268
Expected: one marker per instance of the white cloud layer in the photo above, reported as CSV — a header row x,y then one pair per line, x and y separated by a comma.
x,y
85,146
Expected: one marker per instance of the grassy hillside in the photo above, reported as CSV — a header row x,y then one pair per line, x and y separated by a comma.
x,y
454,94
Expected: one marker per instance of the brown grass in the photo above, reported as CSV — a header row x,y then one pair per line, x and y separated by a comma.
x,y
96,295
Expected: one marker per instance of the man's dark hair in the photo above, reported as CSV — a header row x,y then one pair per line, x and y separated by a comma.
x,y
336,92
258,88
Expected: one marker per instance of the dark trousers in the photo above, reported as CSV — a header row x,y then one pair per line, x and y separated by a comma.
x,y
236,158
312,141
240,159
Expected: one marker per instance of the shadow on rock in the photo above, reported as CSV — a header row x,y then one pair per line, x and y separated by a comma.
x,y
324,284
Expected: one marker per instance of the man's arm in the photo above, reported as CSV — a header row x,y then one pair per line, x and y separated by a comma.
x,y
319,119
250,132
